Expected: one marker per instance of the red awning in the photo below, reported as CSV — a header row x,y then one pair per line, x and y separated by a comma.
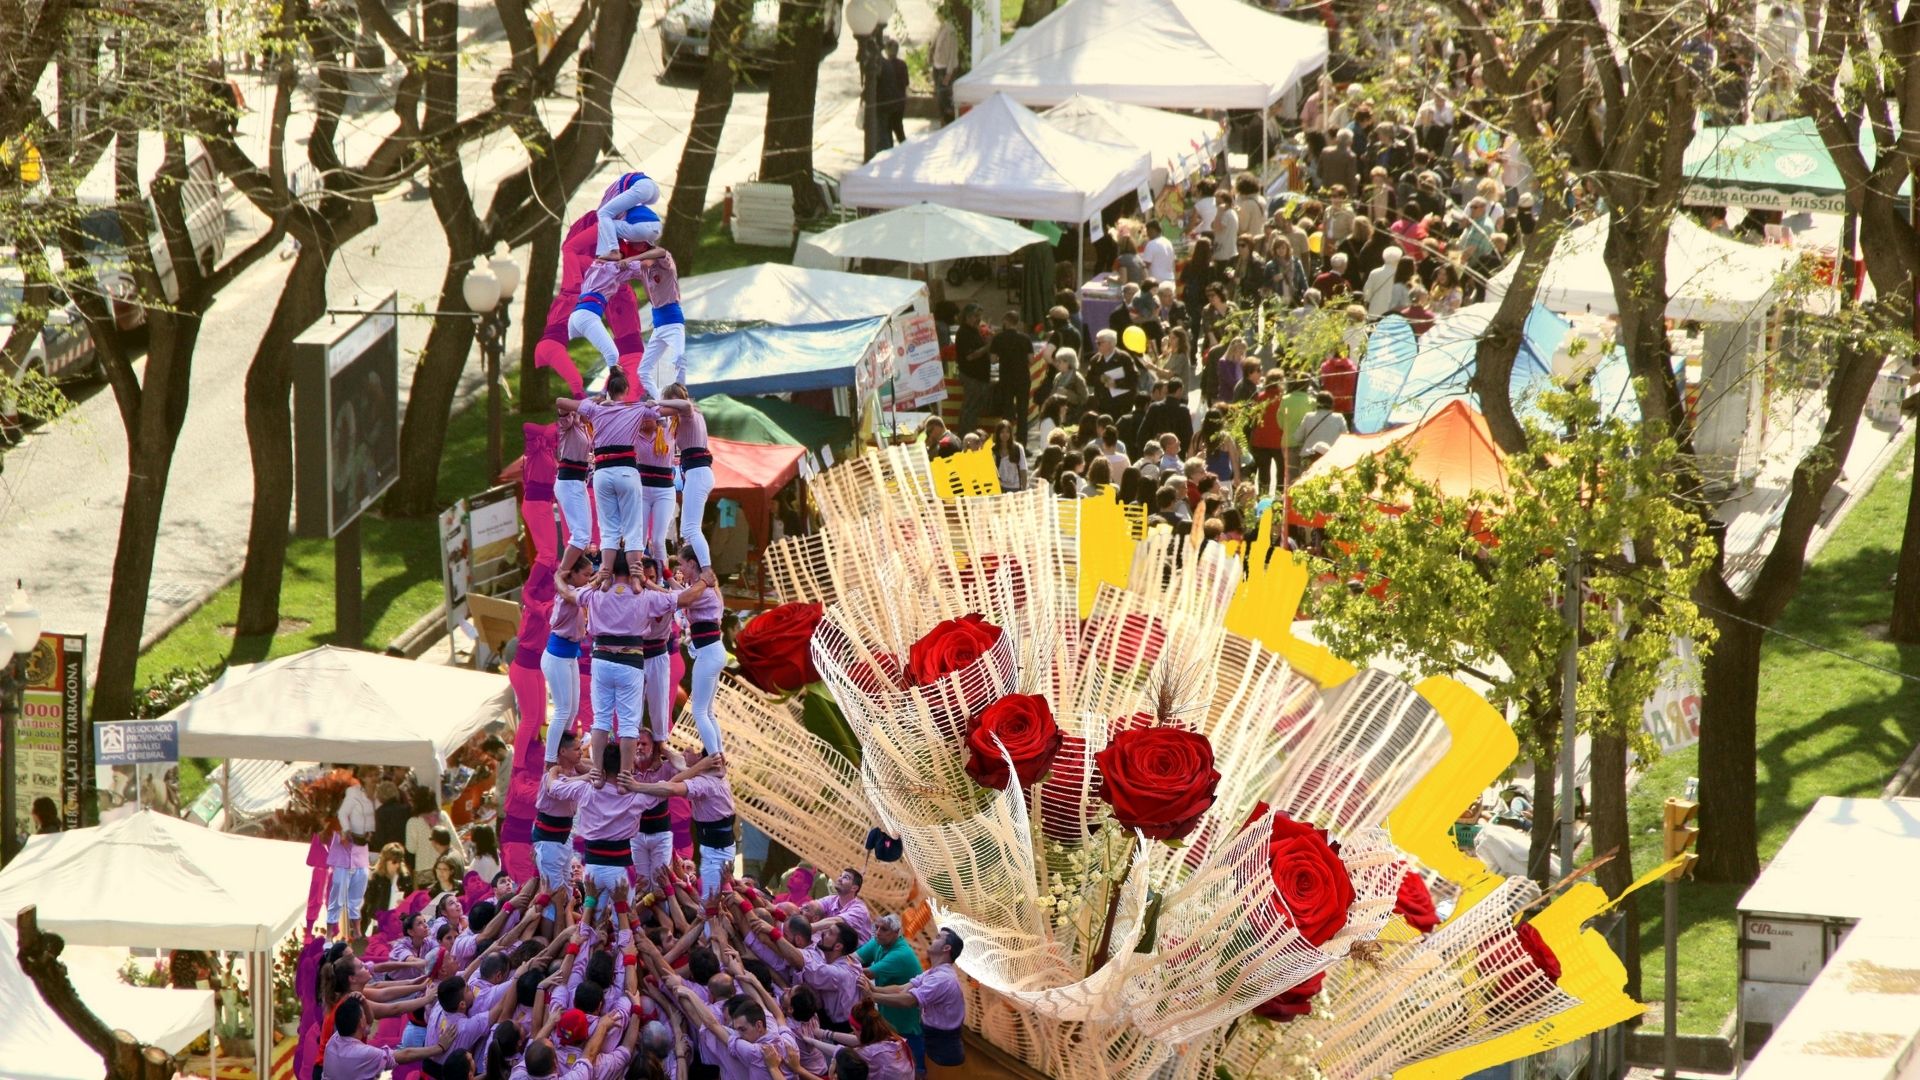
x,y
751,474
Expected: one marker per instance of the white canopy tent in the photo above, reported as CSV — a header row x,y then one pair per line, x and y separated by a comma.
x,y
35,1044
1166,54
1178,145
795,296
154,880
925,233
1709,278
1000,159
342,705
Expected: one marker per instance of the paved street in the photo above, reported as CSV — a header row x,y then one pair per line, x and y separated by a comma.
x,y
61,492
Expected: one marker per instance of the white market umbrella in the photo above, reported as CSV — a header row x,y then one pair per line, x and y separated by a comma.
x,y
925,233
1178,144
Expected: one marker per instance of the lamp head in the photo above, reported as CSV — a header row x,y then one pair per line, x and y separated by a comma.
x,y
507,272
866,16
481,291
22,621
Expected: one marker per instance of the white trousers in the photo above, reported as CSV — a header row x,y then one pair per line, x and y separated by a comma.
x,y
713,866
610,220
563,686
708,660
555,863
666,354
695,486
583,323
617,690
656,510
660,695
347,889
577,509
621,515
652,853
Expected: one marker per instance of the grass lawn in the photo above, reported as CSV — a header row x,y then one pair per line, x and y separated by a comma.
x,y
719,252
1826,727
400,574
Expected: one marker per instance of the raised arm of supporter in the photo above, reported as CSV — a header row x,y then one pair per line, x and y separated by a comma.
x,y
788,951
395,991
684,943
697,1011
792,1062
742,977
380,1010
545,1017
899,996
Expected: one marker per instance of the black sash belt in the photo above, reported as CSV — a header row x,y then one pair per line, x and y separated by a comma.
x,y
624,659
695,457
609,853
653,647
656,820
551,828
704,633
656,476
571,470
714,834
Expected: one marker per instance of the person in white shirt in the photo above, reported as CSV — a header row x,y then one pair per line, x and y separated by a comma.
x,y
1158,254
1378,289
347,855
1322,425
1226,228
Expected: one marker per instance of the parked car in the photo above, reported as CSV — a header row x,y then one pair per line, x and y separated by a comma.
x,y
683,33
64,350
204,207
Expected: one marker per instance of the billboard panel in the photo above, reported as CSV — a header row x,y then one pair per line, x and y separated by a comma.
x,y
346,418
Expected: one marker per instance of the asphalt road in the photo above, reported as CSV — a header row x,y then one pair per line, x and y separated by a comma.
x,y
61,492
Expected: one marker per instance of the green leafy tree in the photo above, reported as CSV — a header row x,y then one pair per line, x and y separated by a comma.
x,y
1440,581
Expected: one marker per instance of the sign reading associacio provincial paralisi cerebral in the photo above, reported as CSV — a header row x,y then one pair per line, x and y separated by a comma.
x,y
136,742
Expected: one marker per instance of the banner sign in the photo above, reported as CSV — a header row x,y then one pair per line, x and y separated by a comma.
x,y
136,742
919,380
1672,715
346,418
50,743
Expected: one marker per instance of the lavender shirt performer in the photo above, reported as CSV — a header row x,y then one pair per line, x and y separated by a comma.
x,y
350,1057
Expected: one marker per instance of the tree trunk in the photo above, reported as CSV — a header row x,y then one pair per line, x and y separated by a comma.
x,y
543,277
127,1058
269,420
423,434
151,440
1545,835
1729,831
1607,817
1035,10
689,203
1905,624
786,150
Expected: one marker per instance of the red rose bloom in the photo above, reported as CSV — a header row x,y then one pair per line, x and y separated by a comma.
x,y
1310,878
1415,904
1511,960
775,649
950,647
1024,725
1288,1004
1158,780
1538,950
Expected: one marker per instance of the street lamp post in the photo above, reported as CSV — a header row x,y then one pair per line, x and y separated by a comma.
x,y
19,633
867,19
489,295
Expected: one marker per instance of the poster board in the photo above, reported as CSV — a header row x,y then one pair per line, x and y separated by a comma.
x,y
51,745
346,418
919,380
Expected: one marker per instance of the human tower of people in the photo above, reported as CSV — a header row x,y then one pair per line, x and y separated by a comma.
x,y
625,961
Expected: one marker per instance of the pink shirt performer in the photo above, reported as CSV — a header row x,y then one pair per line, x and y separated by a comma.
x,y
696,468
589,318
667,341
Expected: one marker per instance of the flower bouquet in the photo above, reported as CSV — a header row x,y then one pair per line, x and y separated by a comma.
x,y
1163,846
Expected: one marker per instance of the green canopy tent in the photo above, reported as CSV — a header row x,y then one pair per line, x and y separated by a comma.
x,y
771,421
1783,165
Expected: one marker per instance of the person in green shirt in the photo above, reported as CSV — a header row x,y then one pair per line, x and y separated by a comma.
x,y
890,961
1294,408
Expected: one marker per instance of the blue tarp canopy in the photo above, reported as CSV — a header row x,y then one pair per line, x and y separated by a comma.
x,y
1404,379
779,359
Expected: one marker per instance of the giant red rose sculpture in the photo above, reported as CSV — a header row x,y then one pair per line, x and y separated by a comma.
x,y
1023,724
1310,879
775,649
1415,904
1158,780
949,647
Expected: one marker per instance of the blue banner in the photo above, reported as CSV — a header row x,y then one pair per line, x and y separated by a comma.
x,y
136,742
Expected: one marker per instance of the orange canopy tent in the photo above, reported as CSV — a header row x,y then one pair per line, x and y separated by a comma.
x,y
1452,450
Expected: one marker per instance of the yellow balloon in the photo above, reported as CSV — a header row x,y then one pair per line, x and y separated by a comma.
x,y
1313,243
1135,339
